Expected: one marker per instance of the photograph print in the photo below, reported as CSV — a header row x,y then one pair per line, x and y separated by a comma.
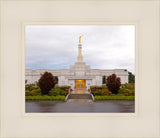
x,y
80,69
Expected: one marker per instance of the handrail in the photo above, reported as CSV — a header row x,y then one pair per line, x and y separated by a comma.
x,y
92,95
67,95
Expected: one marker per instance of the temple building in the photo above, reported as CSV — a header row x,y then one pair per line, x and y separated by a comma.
x,y
78,75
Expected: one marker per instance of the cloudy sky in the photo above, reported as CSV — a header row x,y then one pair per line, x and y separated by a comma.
x,y
103,46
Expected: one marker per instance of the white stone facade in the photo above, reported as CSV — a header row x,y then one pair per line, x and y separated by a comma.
x,y
68,76
79,71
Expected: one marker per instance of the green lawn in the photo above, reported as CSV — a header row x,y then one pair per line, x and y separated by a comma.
x,y
115,97
45,97
97,98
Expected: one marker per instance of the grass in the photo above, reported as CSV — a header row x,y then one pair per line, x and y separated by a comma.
x,y
115,97
62,98
45,97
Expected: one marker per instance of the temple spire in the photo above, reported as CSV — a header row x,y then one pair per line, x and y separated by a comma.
x,y
80,57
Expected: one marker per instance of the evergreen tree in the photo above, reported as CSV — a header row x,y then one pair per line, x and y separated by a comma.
x,y
131,77
104,79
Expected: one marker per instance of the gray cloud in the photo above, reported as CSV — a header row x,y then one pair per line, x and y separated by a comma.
x,y
104,47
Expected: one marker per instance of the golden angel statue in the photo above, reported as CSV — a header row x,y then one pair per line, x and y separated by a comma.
x,y
80,39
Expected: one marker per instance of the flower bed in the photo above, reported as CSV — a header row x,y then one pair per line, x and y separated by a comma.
x,y
31,90
127,89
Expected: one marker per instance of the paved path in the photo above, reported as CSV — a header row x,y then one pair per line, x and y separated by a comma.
x,y
80,107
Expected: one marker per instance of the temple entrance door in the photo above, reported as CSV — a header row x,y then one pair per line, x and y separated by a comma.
x,y
80,84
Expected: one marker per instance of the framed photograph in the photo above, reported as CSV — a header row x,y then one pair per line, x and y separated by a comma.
x,y
80,68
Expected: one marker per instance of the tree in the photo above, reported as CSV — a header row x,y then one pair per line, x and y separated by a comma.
x,y
46,82
113,83
104,79
131,77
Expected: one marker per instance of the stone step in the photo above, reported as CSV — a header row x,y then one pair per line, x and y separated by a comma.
x,y
80,96
80,100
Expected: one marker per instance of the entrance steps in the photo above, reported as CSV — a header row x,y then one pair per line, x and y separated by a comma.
x,y
79,98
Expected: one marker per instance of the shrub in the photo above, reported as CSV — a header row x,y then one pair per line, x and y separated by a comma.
x,y
27,93
29,87
63,87
92,87
132,92
46,82
104,87
55,91
63,93
128,85
113,83
96,88
105,92
102,92
124,91
34,92
96,93
128,89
